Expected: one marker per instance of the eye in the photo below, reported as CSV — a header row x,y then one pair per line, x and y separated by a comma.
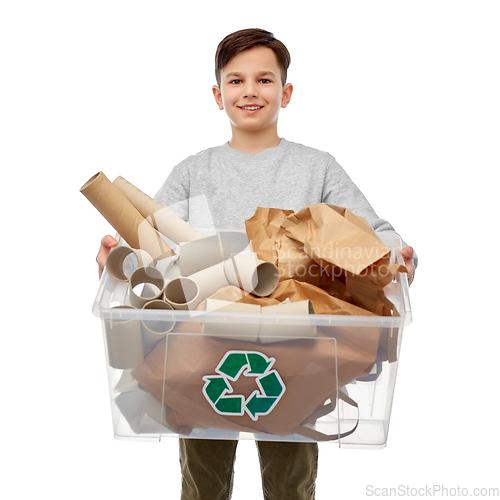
x,y
265,80
235,82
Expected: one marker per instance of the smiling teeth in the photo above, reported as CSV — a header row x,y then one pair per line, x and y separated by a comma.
x,y
251,108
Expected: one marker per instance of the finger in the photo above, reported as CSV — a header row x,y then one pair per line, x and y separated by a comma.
x,y
101,255
407,253
411,271
108,241
101,259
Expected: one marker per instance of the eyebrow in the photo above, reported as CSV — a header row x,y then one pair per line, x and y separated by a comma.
x,y
238,75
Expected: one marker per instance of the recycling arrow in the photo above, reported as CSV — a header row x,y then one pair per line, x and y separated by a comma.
x,y
232,365
215,387
230,405
259,405
258,363
218,391
271,384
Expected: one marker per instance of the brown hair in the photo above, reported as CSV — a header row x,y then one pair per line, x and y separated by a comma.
x,y
246,39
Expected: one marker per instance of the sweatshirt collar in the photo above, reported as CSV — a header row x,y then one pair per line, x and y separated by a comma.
x,y
266,153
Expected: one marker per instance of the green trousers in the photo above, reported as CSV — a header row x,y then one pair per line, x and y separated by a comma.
x,y
288,469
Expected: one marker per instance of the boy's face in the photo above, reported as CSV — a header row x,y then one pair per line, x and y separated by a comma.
x,y
251,92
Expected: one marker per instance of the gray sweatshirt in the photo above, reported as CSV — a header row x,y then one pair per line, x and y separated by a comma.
x,y
221,187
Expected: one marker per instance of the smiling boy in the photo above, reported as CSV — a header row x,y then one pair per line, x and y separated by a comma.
x,y
251,91
254,168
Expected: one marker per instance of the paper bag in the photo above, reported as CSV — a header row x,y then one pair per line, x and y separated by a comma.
x,y
306,372
333,236
202,389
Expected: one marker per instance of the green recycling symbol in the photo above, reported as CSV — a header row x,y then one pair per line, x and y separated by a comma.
x,y
218,391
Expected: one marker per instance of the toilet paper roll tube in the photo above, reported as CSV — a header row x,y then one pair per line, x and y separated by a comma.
x,y
146,275
117,256
197,255
124,217
278,331
154,330
252,274
247,330
208,281
124,341
182,293
162,219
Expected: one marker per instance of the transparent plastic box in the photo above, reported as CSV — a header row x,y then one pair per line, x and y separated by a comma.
x,y
336,386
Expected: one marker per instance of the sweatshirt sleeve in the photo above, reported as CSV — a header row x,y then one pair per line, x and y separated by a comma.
x,y
174,193
340,190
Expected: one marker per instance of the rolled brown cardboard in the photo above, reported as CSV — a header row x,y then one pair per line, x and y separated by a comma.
x,y
197,255
208,281
146,275
277,331
124,342
124,217
117,256
247,330
252,274
154,330
162,219
182,293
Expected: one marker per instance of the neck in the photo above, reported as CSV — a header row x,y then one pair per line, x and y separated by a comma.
x,y
254,142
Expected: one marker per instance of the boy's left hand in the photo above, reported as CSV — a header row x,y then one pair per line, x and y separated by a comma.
x,y
407,253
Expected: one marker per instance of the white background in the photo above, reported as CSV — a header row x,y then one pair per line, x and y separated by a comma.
x,y
403,94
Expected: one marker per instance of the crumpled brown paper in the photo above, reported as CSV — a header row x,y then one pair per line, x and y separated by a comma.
x,y
331,248
333,236
322,302
263,226
269,242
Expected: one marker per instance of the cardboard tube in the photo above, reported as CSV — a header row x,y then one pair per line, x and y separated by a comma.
x,y
248,331
115,259
147,275
162,219
124,217
209,280
278,332
154,330
123,342
182,293
197,255
252,274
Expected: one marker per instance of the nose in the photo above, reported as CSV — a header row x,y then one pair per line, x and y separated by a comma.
x,y
250,90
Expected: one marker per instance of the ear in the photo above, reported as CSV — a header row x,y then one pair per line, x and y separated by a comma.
x,y
218,96
287,95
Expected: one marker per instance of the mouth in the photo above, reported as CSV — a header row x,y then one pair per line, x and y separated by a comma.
x,y
250,108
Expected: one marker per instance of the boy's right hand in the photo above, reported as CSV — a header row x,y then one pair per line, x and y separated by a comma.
x,y
107,243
